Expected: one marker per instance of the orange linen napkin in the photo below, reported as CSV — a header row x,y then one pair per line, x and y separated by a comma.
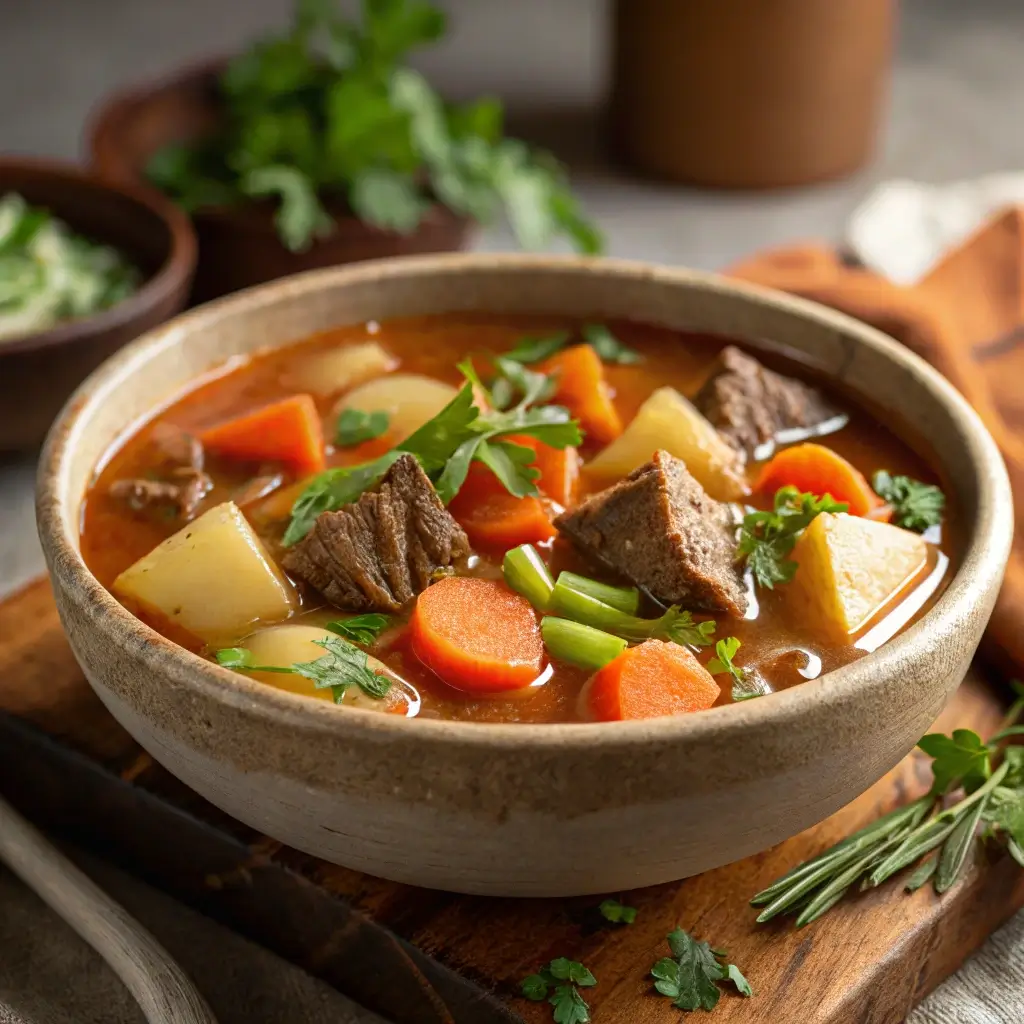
x,y
966,317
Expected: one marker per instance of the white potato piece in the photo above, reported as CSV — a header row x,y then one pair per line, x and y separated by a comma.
x,y
213,577
849,569
667,420
409,399
338,369
287,645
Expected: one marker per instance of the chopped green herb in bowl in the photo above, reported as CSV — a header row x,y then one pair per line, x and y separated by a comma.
x,y
48,273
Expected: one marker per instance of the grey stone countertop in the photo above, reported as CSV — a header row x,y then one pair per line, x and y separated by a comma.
x,y
956,108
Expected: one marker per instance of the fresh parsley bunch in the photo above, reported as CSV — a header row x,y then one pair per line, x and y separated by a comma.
x,y
328,115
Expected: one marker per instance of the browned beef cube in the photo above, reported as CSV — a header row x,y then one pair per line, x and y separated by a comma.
x,y
379,552
750,404
658,528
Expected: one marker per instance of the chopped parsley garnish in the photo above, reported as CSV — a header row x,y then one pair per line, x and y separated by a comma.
x,y
915,505
691,976
445,446
343,665
767,538
535,349
607,346
355,426
680,627
514,379
360,629
616,912
745,684
558,984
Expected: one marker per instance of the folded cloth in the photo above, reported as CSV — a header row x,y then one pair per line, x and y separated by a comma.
x,y
966,317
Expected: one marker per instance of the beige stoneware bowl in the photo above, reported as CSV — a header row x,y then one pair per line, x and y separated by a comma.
x,y
518,810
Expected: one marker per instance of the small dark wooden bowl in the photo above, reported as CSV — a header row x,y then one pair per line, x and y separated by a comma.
x,y
238,246
39,371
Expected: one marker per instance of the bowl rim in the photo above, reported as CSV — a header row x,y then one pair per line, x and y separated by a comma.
x,y
978,574
174,273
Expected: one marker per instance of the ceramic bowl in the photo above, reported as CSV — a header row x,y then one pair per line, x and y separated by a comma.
x,y
524,810
39,371
238,246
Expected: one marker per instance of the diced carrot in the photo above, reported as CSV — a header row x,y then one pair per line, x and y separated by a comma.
x,y
881,514
492,517
656,678
559,469
584,391
819,470
287,431
477,635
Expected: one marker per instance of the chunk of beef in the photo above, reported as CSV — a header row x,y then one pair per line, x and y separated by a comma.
x,y
379,552
658,528
177,484
750,404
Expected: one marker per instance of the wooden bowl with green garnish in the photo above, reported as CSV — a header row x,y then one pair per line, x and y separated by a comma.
x,y
416,740
291,157
85,267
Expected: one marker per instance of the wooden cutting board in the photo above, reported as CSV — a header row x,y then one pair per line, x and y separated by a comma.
x,y
423,957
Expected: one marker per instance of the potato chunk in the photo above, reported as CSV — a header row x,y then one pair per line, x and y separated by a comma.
x,y
213,578
338,369
668,421
849,569
410,399
288,644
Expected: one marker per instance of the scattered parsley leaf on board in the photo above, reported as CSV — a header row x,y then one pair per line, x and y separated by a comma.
x,y
691,979
355,426
616,912
608,347
560,983
343,665
767,538
360,629
915,505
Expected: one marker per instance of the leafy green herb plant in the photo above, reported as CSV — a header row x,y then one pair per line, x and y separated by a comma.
x,y
328,116
989,778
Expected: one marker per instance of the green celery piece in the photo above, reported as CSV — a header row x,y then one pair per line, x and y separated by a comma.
x,y
578,644
526,573
625,599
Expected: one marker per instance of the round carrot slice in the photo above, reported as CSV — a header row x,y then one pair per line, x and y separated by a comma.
x,y
477,635
819,470
657,678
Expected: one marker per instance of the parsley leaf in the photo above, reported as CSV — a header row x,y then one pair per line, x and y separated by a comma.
x,y
558,984
535,349
360,629
680,628
355,426
300,217
767,538
691,979
343,665
513,378
616,912
916,505
435,442
960,758
512,464
745,683
607,346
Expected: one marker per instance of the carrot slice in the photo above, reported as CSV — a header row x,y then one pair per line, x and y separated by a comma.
x,y
288,431
477,635
584,391
656,678
492,517
819,470
559,469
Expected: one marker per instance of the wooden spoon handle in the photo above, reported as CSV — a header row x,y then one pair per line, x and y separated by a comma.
x,y
157,983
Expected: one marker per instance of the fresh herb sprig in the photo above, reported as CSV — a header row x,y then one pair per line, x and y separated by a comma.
x,y
328,113
360,629
915,505
446,446
560,983
342,666
691,976
745,683
990,777
767,538
355,426
616,912
599,336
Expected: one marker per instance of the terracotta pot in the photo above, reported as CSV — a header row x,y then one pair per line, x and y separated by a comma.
x,y
238,247
749,93
515,809
39,371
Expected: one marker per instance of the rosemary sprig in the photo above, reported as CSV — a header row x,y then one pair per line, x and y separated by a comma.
x,y
990,777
